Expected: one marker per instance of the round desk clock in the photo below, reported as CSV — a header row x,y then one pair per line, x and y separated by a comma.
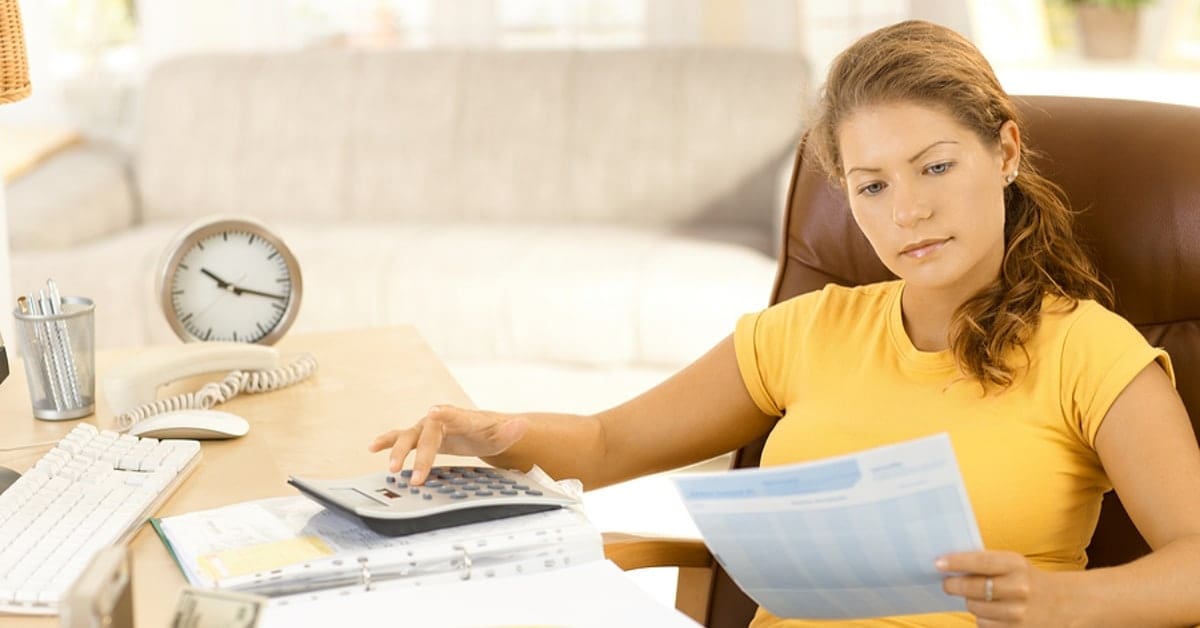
x,y
229,278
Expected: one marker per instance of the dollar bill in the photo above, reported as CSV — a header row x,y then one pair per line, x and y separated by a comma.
x,y
207,608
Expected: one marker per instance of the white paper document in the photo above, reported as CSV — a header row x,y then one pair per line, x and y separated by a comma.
x,y
596,594
846,537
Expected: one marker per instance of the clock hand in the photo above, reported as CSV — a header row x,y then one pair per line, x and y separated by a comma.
x,y
238,291
221,283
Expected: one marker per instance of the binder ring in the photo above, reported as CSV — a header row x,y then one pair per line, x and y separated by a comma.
x,y
365,574
466,563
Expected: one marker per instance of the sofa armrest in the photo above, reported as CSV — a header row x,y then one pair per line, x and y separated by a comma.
x,y
695,563
78,194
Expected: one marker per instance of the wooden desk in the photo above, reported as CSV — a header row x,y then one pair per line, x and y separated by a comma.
x,y
369,381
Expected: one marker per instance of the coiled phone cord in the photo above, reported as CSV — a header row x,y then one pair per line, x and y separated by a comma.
x,y
213,393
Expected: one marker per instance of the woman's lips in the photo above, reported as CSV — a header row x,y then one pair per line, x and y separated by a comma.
x,y
924,248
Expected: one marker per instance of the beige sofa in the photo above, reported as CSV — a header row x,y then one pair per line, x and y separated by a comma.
x,y
563,227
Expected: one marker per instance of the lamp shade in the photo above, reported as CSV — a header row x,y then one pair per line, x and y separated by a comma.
x,y
14,67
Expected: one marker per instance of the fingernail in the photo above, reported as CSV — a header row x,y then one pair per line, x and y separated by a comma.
x,y
418,476
393,466
940,563
433,408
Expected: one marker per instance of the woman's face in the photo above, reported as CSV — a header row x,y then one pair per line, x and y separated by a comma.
x,y
928,194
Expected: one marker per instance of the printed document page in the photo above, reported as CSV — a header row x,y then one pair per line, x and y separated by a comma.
x,y
846,537
596,594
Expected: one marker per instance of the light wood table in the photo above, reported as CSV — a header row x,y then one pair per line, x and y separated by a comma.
x,y
368,381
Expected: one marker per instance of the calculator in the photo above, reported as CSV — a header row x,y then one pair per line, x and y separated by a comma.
x,y
451,496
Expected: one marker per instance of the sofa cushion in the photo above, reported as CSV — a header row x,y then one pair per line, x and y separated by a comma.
x,y
648,136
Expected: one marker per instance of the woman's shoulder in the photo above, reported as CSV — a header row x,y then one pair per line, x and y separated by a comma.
x,y
837,298
1069,322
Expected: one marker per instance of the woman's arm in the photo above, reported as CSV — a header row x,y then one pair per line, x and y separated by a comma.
x,y
702,411
1149,452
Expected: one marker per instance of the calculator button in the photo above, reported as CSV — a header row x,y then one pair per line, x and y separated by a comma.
x,y
458,481
521,487
390,479
533,492
414,490
508,491
483,493
401,484
447,489
407,473
458,495
469,487
507,481
434,483
426,496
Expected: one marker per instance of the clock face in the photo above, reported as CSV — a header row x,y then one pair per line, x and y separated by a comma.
x,y
232,282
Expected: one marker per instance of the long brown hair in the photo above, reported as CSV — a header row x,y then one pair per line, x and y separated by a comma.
x,y
924,63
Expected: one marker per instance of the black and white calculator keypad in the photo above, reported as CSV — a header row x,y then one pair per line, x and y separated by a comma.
x,y
390,504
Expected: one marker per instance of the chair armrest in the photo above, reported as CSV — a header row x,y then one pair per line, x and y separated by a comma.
x,y
631,551
695,563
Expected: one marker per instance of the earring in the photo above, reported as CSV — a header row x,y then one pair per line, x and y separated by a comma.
x,y
1012,176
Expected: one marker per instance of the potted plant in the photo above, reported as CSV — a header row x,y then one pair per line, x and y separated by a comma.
x,y
1108,28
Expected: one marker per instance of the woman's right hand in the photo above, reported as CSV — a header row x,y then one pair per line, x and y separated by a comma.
x,y
451,430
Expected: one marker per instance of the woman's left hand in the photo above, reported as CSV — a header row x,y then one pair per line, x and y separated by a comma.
x,y
1005,589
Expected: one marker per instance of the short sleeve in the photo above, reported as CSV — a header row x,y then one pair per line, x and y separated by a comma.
x,y
745,344
1102,353
767,346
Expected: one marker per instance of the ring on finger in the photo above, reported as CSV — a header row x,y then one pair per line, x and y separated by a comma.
x,y
988,589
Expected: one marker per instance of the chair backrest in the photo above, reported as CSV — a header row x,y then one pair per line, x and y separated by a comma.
x,y
1133,170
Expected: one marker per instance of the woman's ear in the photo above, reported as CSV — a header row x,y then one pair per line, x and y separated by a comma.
x,y
1010,147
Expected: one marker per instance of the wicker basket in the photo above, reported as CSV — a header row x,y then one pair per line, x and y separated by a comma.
x,y
14,67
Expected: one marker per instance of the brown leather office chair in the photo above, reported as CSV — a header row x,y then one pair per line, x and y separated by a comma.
x,y
1132,168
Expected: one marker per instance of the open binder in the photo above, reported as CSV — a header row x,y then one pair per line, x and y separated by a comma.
x,y
292,547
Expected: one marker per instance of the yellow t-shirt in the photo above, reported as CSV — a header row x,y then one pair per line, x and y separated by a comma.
x,y
839,367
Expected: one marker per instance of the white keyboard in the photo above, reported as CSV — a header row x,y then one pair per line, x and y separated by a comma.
x,y
94,489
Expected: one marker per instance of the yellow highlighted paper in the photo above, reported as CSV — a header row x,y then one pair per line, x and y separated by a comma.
x,y
263,557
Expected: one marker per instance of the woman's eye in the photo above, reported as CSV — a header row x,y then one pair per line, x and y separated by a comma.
x,y
940,168
871,189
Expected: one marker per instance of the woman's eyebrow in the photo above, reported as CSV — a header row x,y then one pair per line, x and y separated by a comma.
x,y
910,159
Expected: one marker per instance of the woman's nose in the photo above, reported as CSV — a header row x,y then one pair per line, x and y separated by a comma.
x,y
908,208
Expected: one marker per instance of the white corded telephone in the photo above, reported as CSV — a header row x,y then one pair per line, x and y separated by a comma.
x,y
132,387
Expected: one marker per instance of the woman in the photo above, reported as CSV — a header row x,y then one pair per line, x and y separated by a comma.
x,y
995,333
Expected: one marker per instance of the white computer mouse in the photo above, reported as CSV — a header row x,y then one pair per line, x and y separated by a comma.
x,y
196,424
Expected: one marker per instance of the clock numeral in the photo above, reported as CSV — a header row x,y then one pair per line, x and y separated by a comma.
x,y
235,336
187,318
208,334
279,307
273,254
183,266
251,241
176,293
225,236
200,245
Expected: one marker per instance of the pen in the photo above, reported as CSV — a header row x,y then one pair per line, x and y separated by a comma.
x,y
41,339
67,356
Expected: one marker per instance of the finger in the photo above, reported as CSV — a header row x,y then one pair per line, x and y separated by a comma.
x,y
383,441
986,562
428,444
404,442
972,587
994,613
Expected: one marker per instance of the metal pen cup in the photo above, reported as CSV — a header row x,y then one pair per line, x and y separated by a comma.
x,y
59,352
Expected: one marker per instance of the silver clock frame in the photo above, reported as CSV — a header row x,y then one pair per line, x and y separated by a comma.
x,y
186,239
